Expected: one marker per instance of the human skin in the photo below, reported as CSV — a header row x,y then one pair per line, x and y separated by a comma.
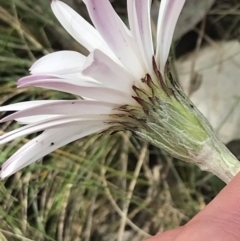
x,y
219,221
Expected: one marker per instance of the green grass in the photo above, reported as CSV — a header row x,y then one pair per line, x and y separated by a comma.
x,y
99,188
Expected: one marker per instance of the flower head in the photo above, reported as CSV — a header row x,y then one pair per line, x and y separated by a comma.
x,y
124,84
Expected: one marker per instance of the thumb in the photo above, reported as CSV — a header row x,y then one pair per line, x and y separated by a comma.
x,y
224,210
220,220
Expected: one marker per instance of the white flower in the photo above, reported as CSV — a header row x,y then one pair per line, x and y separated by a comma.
x,y
124,84
119,58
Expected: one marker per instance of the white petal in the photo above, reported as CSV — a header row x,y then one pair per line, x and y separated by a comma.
x,y
113,30
167,19
67,107
102,68
140,23
59,63
34,119
25,105
44,144
74,79
93,92
78,27
48,124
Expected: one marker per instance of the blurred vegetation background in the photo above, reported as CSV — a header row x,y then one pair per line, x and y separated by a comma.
x,y
101,187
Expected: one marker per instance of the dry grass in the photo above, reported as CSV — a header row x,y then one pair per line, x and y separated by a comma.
x,y
98,188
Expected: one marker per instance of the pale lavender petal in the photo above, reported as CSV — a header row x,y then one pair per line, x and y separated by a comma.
x,y
140,23
73,78
67,107
97,93
79,28
44,144
168,16
62,121
61,62
113,30
34,119
25,105
102,68
33,79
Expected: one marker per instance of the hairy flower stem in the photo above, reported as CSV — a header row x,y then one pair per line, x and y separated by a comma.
x,y
216,158
169,120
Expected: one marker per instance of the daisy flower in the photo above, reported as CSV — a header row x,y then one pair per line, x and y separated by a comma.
x,y
124,84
